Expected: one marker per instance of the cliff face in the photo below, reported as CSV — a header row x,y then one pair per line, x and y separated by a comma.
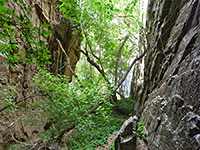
x,y
167,99
170,95
44,11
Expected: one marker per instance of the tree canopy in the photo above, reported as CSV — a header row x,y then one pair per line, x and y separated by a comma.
x,y
110,34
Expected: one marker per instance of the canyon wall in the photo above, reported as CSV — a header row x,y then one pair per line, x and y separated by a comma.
x,y
171,90
167,99
12,127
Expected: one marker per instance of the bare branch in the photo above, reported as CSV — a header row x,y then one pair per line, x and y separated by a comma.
x,y
70,127
23,99
116,39
12,123
127,16
68,59
22,143
95,65
100,53
95,56
61,67
88,42
119,57
134,61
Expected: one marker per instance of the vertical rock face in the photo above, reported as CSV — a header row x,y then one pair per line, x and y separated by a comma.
x,y
168,100
124,140
171,110
44,11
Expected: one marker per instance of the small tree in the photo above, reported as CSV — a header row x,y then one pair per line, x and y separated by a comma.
x,y
110,33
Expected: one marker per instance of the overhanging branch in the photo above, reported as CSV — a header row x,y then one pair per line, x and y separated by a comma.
x,y
95,56
95,65
119,57
23,99
134,61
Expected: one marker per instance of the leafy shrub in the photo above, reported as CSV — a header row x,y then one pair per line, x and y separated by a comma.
x,y
96,135
67,103
14,147
125,106
7,97
140,132
11,25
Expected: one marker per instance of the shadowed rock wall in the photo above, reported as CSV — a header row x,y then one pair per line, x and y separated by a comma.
x,y
171,98
168,99
171,94
44,11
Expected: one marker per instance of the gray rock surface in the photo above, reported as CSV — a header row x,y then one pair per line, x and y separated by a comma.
x,y
126,137
168,100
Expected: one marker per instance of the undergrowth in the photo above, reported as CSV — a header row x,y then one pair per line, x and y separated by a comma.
x,y
96,136
124,106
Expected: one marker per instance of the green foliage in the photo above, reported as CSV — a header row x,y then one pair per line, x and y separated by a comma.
x,y
86,103
112,147
125,106
68,103
87,72
12,25
14,147
7,97
105,23
140,132
96,135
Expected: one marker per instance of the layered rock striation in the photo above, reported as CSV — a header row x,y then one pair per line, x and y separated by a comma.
x,y
168,99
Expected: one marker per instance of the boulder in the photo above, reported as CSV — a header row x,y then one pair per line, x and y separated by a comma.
x,y
126,137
